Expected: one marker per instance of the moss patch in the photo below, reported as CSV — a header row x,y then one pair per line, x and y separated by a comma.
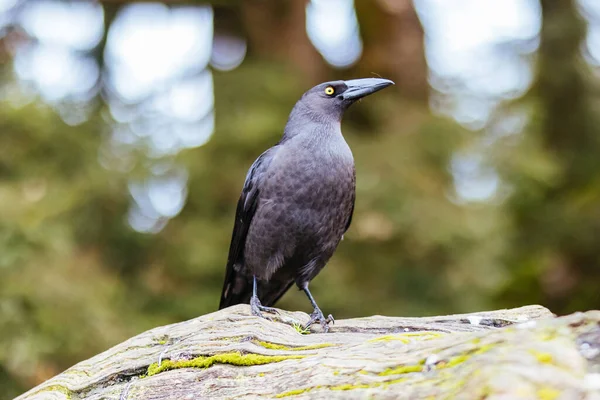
x,y
275,346
225,358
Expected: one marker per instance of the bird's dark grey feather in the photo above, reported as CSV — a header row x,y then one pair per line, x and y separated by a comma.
x,y
235,285
297,201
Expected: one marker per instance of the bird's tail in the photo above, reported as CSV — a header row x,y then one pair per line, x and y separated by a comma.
x,y
237,289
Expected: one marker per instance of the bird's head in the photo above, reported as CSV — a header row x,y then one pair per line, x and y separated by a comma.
x,y
331,99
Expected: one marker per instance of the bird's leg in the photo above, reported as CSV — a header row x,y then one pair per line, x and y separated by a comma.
x,y
317,314
255,305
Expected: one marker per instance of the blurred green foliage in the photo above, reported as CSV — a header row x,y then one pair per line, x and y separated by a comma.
x,y
76,279
554,256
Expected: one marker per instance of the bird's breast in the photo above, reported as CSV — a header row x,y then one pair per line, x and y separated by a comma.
x,y
308,185
304,206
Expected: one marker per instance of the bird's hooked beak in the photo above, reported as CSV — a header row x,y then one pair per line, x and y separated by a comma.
x,y
358,88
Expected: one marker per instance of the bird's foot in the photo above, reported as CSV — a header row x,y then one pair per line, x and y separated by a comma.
x,y
256,308
317,316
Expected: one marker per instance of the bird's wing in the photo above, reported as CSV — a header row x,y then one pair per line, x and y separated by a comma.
x,y
350,216
353,201
234,287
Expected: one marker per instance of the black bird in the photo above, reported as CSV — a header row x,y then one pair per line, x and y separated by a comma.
x,y
296,203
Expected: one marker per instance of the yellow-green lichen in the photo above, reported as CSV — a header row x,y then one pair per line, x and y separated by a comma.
x,y
456,360
424,333
406,337
544,358
453,385
57,388
485,348
393,381
547,335
294,392
225,358
451,362
486,391
275,346
388,338
547,394
348,386
162,340
345,386
234,339
403,369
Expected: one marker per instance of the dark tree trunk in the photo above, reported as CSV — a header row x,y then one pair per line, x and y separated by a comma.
x,y
394,45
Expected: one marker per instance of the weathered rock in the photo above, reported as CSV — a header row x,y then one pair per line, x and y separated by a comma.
x,y
506,354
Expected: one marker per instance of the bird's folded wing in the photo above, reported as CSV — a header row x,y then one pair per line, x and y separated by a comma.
x,y
351,213
232,292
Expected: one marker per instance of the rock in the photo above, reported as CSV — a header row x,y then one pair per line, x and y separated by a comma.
x,y
505,354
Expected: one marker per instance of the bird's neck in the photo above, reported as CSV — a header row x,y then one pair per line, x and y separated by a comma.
x,y
315,128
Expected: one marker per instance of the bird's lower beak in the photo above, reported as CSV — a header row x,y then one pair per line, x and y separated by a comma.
x,y
358,88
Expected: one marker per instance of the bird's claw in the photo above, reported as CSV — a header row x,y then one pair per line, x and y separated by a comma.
x,y
256,308
317,316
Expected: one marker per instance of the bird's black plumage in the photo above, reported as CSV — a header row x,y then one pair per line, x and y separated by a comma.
x,y
297,201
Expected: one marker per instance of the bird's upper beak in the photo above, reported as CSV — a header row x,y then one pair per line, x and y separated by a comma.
x,y
358,88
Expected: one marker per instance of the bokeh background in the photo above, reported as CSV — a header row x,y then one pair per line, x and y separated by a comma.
x,y
126,129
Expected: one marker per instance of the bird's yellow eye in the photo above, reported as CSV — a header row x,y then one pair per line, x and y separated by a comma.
x,y
329,90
